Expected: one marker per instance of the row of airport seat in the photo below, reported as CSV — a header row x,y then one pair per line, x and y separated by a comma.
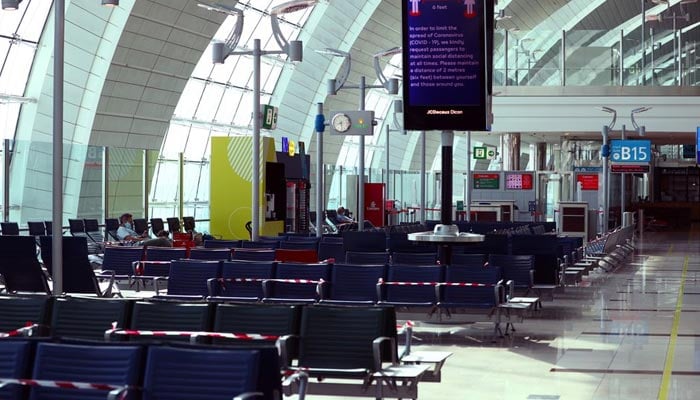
x,y
607,252
357,344
82,371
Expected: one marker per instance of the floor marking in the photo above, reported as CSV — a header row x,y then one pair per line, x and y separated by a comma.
x,y
668,367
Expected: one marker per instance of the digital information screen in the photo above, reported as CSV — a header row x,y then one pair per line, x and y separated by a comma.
x,y
486,181
518,181
588,181
445,59
697,146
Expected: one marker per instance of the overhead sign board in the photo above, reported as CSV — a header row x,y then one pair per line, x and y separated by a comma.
x,y
630,151
446,62
629,168
480,153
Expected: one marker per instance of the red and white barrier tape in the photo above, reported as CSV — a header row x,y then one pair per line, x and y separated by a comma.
x,y
462,284
407,324
467,284
237,336
18,332
223,280
241,280
61,384
296,281
383,282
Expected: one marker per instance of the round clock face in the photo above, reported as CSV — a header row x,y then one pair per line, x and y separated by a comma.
x,y
341,122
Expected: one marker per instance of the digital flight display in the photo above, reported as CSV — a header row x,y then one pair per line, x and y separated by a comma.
x,y
445,63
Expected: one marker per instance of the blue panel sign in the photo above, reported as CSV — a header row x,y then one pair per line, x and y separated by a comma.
x,y
630,151
697,146
445,64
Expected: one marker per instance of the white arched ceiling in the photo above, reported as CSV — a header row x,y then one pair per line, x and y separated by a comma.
x,y
160,46
91,36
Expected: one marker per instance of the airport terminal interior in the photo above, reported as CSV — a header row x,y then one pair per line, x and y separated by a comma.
x,y
488,199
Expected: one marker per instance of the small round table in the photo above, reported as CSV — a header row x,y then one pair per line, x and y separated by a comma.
x,y
445,241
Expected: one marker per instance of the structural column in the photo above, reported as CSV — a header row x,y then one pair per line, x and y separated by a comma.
x,y
511,151
446,189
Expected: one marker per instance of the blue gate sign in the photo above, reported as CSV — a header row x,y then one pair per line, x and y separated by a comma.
x,y
631,151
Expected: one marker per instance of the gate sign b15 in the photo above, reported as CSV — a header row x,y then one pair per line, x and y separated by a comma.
x,y
632,151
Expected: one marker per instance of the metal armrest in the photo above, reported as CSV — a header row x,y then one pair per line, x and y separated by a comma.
x,y
108,291
210,285
249,395
303,380
510,290
377,351
321,289
155,283
283,347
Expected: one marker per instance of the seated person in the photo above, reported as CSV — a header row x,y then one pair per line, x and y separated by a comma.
x,y
128,235
341,218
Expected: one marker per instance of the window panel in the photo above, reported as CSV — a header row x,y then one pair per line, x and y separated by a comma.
x,y
165,187
196,143
33,20
9,113
244,114
192,178
175,140
16,70
209,102
229,103
243,72
190,98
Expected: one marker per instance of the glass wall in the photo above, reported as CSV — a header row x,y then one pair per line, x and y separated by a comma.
x,y
595,58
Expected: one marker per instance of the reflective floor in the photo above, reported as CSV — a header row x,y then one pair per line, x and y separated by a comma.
x,y
630,334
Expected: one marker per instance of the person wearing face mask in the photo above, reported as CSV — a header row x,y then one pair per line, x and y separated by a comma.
x,y
128,235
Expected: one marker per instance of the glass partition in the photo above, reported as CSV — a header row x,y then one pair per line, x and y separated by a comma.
x,y
126,182
593,58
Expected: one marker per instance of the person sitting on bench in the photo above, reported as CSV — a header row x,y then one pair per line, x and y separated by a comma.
x,y
129,236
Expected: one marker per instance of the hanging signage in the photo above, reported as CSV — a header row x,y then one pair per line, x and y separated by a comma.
x,y
446,62
269,114
479,153
629,168
486,181
630,151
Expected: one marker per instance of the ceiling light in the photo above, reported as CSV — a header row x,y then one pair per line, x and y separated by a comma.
x,y
110,3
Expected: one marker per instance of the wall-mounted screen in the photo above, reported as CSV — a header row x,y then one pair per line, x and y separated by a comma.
x,y
588,181
486,181
446,64
518,181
